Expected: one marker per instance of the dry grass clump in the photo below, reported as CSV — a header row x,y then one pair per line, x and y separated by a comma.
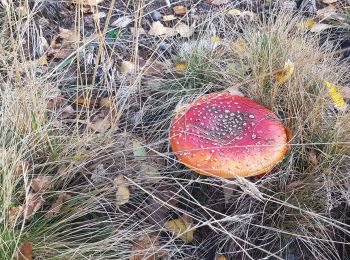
x,y
49,131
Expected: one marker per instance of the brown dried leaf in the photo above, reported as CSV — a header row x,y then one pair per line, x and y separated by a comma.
x,y
184,30
294,184
13,213
25,251
66,112
34,202
180,10
158,29
56,207
123,194
147,247
41,183
313,157
101,125
217,2
70,35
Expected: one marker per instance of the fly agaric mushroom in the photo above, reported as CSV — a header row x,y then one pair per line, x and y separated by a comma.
x,y
225,135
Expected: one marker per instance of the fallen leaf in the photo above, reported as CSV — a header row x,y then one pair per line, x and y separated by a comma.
x,y
41,183
25,251
139,31
180,10
286,73
294,184
57,206
313,157
70,35
215,39
34,202
66,112
320,27
139,150
158,29
90,2
103,121
13,213
101,125
306,24
239,46
217,2
184,30
336,95
147,247
106,102
221,257
181,66
234,12
122,22
150,171
152,67
181,227
329,1
170,17
326,12
99,15
127,67
123,194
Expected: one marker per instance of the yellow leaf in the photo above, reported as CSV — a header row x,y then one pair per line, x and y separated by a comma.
x,y
221,257
306,24
215,39
181,227
335,94
122,195
238,46
234,12
286,73
181,66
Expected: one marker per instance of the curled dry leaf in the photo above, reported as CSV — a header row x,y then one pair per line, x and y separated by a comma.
x,y
34,201
313,157
181,66
158,29
239,46
181,227
127,67
286,73
123,194
25,251
122,22
170,17
184,30
139,150
41,184
13,213
336,95
56,207
103,121
217,2
180,10
66,112
147,247
150,172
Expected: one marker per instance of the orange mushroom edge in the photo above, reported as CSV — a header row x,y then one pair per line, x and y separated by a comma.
x,y
228,135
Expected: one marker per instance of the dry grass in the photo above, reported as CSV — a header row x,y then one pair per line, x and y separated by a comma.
x,y
297,211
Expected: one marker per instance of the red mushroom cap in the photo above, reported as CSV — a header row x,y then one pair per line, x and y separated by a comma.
x,y
227,135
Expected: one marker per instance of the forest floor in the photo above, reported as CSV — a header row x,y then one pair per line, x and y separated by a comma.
x,y
89,90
